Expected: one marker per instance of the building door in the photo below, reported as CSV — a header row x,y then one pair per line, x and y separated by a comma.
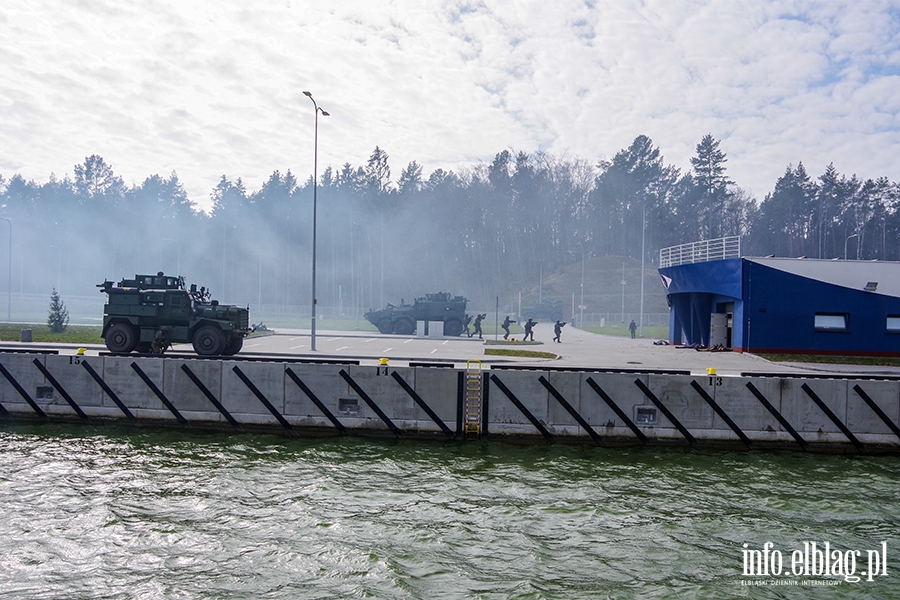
x,y
718,329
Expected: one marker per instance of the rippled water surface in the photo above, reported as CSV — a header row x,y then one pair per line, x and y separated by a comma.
x,y
114,513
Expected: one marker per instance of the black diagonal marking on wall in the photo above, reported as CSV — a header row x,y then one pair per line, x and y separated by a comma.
x,y
262,398
565,404
108,390
512,397
662,407
59,388
319,404
12,380
721,413
787,426
209,396
619,412
158,393
485,403
877,410
418,400
362,394
824,408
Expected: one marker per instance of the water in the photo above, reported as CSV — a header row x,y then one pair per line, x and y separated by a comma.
x,y
116,513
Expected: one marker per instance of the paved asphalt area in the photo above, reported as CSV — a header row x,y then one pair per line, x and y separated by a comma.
x,y
579,349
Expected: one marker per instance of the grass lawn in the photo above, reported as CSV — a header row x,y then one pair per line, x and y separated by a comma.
x,y
517,352
883,361
74,334
655,332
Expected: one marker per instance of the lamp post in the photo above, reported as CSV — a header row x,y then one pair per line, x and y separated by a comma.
x,y
852,235
643,254
9,275
355,276
581,306
318,110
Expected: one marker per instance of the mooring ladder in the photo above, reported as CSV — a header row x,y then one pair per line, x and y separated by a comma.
x,y
473,398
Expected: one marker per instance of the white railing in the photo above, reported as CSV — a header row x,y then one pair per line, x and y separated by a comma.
x,y
704,251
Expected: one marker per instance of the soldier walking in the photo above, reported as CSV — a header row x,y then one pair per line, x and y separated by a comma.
x,y
466,322
557,329
505,326
529,329
478,320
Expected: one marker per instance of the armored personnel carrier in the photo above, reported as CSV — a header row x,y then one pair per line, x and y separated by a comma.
x,y
402,319
551,310
150,312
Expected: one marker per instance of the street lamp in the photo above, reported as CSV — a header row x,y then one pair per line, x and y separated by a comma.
x,y
315,176
852,235
9,275
581,306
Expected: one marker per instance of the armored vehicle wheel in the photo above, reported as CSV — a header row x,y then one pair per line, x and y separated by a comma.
x,y
209,340
385,325
403,327
143,347
453,327
121,338
234,345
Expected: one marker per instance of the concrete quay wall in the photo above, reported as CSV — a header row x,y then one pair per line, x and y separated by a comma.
x,y
607,408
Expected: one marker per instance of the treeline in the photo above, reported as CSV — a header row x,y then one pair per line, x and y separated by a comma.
x,y
482,231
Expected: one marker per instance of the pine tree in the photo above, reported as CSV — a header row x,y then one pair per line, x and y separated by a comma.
x,y
58,318
712,183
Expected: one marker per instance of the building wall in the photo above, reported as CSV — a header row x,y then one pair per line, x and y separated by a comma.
x,y
695,290
775,309
781,313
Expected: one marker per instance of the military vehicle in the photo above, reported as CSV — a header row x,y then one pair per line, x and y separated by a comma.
x,y
402,319
551,310
150,312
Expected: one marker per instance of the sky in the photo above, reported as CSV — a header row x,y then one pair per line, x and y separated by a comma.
x,y
207,88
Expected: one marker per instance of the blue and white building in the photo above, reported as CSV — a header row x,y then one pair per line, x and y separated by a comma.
x,y
780,305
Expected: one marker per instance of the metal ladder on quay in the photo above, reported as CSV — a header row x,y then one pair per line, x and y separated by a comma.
x,y
472,424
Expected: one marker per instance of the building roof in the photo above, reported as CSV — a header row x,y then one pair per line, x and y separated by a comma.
x,y
852,274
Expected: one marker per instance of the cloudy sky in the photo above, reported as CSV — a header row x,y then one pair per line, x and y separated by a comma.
x,y
213,87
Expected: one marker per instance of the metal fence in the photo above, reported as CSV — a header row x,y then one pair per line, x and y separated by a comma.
x,y
703,251
609,318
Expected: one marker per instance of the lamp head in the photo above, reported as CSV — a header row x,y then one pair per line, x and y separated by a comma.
x,y
307,94
324,113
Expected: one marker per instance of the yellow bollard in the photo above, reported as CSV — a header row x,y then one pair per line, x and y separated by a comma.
x,y
383,361
81,351
710,371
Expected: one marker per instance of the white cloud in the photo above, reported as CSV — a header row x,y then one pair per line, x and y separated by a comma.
x,y
212,88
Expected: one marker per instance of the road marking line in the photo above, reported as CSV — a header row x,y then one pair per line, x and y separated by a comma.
x,y
387,350
342,348
332,339
370,340
410,340
294,347
444,342
433,351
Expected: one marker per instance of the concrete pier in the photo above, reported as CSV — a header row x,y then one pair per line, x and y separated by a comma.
x,y
538,403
